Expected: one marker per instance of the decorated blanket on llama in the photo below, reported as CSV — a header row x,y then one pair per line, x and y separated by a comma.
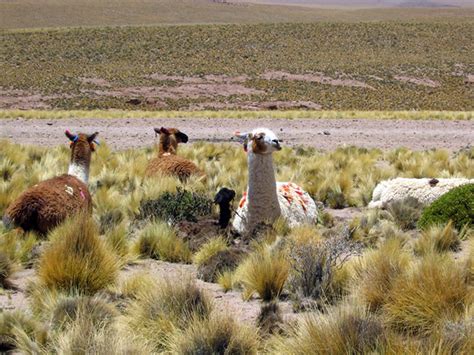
x,y
297,206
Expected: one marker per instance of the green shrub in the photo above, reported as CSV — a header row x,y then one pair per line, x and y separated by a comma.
x,y
175,207
456,205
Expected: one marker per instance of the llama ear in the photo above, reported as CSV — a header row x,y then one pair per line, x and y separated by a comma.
x,y
92,137
183,138
243,136
164,130
72,137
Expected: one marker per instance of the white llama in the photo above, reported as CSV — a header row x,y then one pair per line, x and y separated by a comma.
x,y
266,199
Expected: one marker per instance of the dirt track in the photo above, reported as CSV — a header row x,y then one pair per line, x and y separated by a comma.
x,y
321,134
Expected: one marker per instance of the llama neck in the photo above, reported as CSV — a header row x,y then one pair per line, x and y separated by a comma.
x,y
263,205
166,147
79,166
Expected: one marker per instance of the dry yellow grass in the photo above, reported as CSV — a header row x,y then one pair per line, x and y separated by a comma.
x,y
77,259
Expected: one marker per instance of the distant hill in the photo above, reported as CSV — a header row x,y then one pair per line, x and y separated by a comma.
x,y
370,3
17,14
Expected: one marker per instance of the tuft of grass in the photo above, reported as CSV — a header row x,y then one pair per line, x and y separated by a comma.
x,y
77,259
117,239
155,315
342,330
226,280
263,272
377,271
270,320
69,308
136,285
6,270
209,249
433,290
437,238
215,335
13,324
406,212
159,241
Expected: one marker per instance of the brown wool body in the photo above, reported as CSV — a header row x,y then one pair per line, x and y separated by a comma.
x,y
48,203
167,162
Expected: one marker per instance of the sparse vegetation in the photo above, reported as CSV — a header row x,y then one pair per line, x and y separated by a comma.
x,y
384,66
77,301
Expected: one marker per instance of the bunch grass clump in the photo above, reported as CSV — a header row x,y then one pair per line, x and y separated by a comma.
x,y
405,213
155,315
264,272
215,335
77,259
342,330
6,270
210,249
376,272
438,239
435,289
159,241
13,324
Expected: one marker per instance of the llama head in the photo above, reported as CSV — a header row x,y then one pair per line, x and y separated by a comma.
x,y
169,139
82,145
224,196
260,141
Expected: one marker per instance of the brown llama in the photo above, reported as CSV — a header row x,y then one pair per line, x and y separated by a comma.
x,y
167,162
48,203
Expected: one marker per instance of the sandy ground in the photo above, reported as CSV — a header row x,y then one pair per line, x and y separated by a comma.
x,y
318,133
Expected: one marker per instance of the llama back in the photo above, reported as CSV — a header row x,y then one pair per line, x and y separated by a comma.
x,y
173,165
296,205
425,190
48,203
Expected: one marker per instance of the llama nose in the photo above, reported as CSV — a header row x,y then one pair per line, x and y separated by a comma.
x,y
276,144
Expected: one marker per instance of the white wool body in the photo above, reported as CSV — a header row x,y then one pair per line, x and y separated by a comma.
x,y
265,199
425,190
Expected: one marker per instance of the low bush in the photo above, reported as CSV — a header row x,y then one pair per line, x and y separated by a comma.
x,y
456,205
77,259
313,270
175,207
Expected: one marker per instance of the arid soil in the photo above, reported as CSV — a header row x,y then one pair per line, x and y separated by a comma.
x,y
323,134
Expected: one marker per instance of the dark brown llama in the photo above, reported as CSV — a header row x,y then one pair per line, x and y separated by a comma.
x,y
45,205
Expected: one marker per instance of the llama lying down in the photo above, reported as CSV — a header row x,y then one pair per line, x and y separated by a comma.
x,y
266,199
424,190
47,204
167,162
